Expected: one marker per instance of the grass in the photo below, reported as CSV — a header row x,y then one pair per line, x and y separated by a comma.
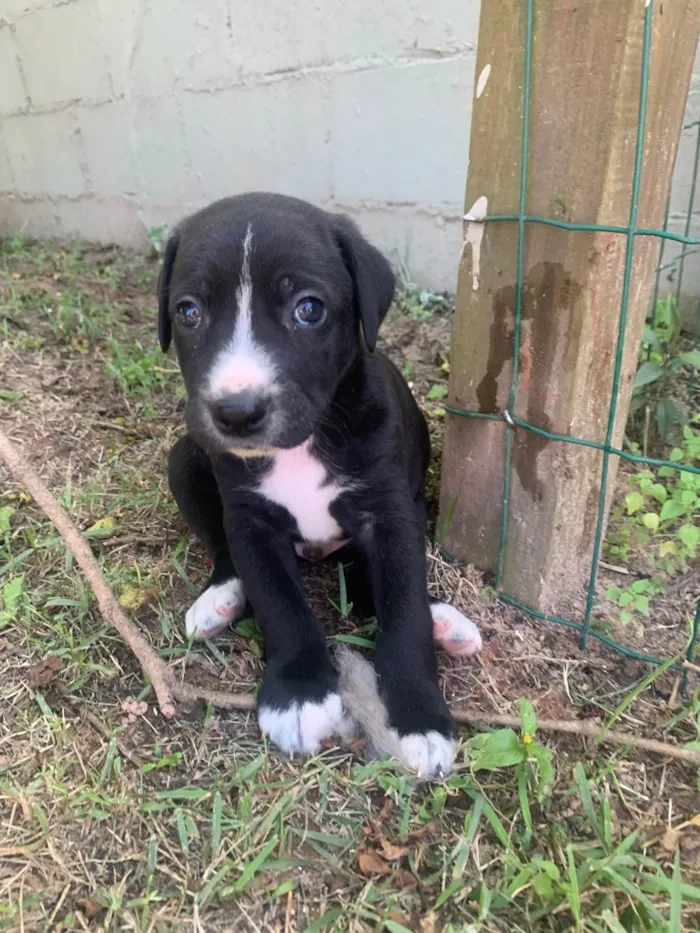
x,y
113,819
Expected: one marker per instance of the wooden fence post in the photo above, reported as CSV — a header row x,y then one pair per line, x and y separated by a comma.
x,y
585,87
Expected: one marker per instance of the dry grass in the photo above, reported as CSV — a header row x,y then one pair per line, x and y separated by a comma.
x,y
113,819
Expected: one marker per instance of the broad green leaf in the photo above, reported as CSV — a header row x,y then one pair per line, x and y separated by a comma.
x,y
528,719
667,549
6,513
626,598
634,501
676,455
672,508
437,392
647,373
545,765
668,415
691,358
613,593
11,599
651,521
649,336
689,535
501,749
549,868
641,604
659,492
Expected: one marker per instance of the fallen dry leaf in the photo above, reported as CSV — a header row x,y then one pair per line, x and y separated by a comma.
x,y
406,880
89,907
427,923
391,851
133,597
385,812
431,828
371,863
105,525
43,672
670,839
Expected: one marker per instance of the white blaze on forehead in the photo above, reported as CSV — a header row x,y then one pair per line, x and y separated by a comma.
x,y
242,364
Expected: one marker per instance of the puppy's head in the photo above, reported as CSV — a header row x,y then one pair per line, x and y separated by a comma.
x,y
265,298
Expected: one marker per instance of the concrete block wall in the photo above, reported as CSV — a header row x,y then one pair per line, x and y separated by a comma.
x,y
678,210
120,115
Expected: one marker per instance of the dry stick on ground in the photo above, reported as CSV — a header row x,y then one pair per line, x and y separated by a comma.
x,y
168,688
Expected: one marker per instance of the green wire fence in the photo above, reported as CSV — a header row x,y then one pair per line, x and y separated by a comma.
x,y
632,231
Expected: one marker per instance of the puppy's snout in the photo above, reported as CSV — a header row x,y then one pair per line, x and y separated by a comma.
x,y
242,413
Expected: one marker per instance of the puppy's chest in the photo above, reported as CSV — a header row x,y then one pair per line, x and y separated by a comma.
x,y
300,483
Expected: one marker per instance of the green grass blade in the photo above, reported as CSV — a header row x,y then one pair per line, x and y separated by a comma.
x,y
675,922
216,824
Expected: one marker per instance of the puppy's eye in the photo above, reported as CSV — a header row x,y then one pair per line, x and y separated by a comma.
x,y
188,315
310,312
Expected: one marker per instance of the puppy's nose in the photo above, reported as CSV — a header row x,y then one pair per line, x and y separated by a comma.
x,y
240,413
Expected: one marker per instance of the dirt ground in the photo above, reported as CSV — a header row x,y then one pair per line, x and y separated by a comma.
x,y
113,819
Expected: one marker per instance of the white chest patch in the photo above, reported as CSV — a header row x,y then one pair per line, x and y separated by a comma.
x,y
299,482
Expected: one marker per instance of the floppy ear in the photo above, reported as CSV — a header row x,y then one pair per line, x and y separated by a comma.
x,y
164,325
372,278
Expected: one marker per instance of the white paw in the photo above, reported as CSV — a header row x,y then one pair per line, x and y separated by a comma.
x,y
215,609
301,728
431,755
454,632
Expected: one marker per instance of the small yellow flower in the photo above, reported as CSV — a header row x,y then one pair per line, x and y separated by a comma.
x,y
527,739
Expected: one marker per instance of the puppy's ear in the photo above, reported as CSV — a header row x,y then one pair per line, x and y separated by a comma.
x,y
372,278
164,325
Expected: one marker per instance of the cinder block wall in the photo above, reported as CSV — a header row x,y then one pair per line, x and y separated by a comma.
x,y
120,115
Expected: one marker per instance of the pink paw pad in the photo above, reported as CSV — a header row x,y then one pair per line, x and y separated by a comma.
x,y
214,609
227,610
454,632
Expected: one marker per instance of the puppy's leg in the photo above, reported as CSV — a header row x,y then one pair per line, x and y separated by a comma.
x,y
452,630
394,549
194,487
298,705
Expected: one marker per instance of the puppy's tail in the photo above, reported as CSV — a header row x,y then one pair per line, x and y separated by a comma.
x,y
359,692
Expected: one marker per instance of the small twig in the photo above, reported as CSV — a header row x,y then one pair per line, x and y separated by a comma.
x,y
588,730
167,688
155,669
613,568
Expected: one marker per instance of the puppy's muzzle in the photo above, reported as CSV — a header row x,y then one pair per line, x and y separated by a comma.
x,y
242,414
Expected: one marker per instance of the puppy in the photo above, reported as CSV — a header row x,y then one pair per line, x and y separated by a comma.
x,y
302,441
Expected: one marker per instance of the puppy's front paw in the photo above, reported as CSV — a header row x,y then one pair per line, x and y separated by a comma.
x,y
301,727
425,736
429,754
214,609
454,632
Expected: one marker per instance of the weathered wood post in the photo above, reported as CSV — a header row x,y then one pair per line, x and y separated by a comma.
x,y
585,92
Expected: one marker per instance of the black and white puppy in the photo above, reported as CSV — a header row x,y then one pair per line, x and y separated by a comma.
x,y
301,440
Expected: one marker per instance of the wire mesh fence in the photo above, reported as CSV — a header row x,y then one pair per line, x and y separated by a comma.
x,y
689,246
